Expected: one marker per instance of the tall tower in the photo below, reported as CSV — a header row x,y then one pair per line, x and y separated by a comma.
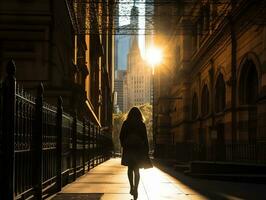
x,y
137,79
134,51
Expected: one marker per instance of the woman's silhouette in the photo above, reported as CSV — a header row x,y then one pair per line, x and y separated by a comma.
x,y
133,139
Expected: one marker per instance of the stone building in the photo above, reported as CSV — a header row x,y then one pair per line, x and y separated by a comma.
x,y
50,44
136,79
215,59
118,88
137,90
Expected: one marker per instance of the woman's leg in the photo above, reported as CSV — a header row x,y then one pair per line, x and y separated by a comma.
x,y
130,177
137,177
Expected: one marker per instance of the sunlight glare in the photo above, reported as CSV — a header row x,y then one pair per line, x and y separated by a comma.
x,y
153,56
159,185
152,177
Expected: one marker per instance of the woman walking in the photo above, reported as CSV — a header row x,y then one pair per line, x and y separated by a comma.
x,y
134,141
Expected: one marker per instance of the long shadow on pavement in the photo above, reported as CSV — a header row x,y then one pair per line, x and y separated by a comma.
x,y
220,190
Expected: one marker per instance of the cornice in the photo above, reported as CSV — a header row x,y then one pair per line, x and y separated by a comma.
x,y
209,47
221,34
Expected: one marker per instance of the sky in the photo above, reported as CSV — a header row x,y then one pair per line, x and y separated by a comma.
x,y
124,9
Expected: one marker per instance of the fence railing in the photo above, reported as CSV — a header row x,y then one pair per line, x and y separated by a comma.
x,y
184,152
41,147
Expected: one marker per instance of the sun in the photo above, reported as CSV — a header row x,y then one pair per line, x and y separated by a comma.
x,y
153,56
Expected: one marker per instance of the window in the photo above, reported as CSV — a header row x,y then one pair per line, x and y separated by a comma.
x,y
248,85
194,109
248,95
205,101
220,94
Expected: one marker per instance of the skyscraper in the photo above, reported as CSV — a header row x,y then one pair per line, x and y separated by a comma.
x,y
137,78
118,88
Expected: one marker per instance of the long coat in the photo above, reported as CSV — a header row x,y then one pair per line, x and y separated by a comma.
x,y
136,155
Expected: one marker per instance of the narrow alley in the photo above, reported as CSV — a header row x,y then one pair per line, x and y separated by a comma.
x,y
180,83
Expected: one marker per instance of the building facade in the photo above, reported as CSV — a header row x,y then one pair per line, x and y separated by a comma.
x,y
49,43
216,97
132,86
137,82
118,88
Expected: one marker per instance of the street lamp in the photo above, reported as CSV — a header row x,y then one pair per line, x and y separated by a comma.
x,y
153,57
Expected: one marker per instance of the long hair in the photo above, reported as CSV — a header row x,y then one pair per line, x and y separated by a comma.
x,y
134,115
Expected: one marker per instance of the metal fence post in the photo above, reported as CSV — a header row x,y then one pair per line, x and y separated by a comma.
x,y
83,145
89,145
99,146
74,145
37,144
59,144
9,95
94,146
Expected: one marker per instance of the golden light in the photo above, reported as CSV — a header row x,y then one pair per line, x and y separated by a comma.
x,y
154,56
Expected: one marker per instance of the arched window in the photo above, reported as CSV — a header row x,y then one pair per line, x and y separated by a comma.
x,y
194,109
205,100
248,85
220,93
248,95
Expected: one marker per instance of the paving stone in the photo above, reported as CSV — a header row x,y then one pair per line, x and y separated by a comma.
x,y
76,196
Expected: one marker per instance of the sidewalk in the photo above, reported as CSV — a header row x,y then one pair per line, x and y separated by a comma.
x,y
108,181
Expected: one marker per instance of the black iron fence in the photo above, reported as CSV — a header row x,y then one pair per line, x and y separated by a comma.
x,y
184,152
41,147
